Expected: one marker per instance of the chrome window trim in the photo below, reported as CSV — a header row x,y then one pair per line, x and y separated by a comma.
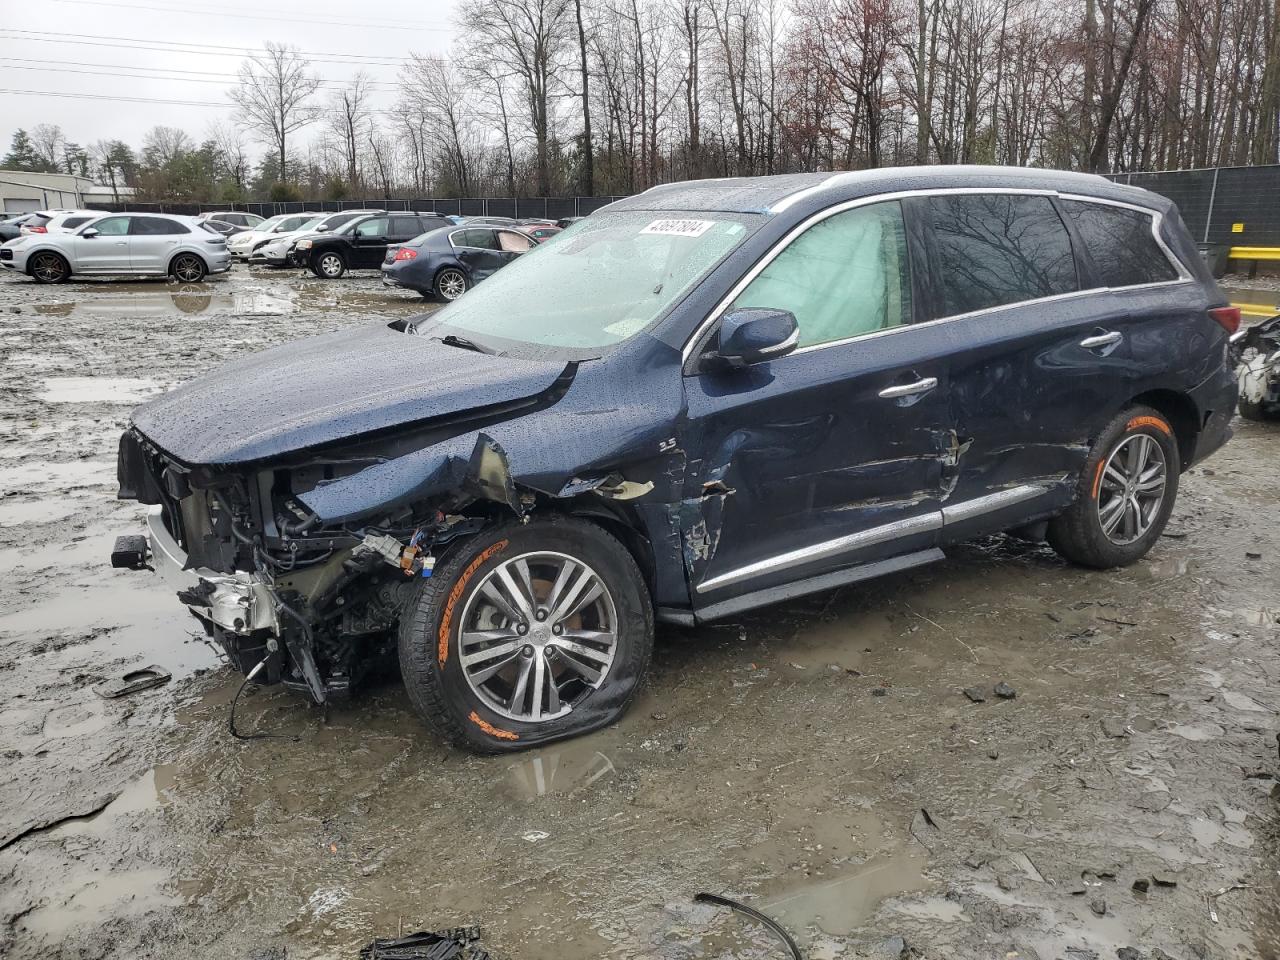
x,y
717,313
923,523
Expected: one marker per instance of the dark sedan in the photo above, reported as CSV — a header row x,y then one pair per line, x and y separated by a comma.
x,y
446,263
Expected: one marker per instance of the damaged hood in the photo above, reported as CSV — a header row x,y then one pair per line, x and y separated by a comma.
x,y
330,388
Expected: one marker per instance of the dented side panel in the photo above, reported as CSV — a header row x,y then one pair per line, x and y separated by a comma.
x,y
804,450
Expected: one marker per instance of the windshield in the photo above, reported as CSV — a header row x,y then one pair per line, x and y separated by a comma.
x,y
605,279
309,224
268,224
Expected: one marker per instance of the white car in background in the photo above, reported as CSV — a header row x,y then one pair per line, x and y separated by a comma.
x,y
121,244
280,252
265,250
73,220
242,244
39,221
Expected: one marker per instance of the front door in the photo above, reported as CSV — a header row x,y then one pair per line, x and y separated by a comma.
x,y
369,242
107,250
836,454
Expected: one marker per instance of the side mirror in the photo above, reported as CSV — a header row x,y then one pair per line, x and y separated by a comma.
x,y
754,335
89,232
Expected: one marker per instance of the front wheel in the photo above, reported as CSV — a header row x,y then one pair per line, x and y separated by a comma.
x,y
187,268
529,633
1126,493
50,268
328,266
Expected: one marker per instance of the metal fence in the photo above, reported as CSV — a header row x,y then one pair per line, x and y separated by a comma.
x,y
552,208
1239,206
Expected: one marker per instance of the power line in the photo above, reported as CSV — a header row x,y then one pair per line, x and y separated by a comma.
x,y
102,96
214,50
158,73
367,24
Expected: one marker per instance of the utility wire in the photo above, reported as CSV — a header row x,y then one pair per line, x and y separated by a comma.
x,y
431,26
229,81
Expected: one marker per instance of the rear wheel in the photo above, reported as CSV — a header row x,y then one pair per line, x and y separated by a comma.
x,y
528,633
329,265
451,283
50,268
1126,493
187,268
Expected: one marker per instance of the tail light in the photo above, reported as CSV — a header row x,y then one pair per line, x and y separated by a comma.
x,y
1226,317
405,253
35,230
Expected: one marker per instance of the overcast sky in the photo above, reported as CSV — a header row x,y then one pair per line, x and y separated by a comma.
x,y
160,50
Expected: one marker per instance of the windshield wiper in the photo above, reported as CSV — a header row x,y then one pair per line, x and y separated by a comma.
x,y
453,340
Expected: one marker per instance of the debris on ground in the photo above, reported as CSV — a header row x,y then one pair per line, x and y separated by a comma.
x,y
1114,728
756,915
461,943
925,829
976,694
1212,898
1098,906
132,681
1004,691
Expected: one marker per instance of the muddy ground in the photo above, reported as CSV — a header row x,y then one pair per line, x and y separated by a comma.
x,y
785,758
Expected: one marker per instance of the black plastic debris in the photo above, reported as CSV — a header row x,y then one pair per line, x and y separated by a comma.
x,y
143,678
459,943
756,915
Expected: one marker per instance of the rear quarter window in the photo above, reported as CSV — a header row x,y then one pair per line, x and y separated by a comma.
x,y
1121,244
998,249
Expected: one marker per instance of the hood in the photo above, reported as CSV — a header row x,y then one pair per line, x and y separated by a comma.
x,y
330,388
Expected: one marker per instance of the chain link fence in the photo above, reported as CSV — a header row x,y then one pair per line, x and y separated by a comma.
x,y
1236,206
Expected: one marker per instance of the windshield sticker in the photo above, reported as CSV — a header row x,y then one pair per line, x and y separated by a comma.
x,y
680,228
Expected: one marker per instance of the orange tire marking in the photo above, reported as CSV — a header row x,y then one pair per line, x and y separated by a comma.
x,y
1154,422
446,621
490,729
1097,478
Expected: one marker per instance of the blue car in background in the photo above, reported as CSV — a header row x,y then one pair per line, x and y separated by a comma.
x,y
446,263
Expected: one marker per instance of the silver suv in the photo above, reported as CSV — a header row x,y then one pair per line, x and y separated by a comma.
x,y
129,244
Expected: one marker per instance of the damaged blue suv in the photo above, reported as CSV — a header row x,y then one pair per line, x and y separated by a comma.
x,y
699,400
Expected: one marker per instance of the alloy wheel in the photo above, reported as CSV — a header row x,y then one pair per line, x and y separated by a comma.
x,y
1132,488
188,269
331,265
538,634
451,284
48,268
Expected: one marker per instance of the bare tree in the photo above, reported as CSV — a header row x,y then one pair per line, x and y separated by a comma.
x,y
228,140
162,145
273,96
349,117
49,143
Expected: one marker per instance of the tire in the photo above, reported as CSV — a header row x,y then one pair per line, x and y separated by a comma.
x,y
188,268
1259,412
47,267
1114,522
496,713
450,284
329,265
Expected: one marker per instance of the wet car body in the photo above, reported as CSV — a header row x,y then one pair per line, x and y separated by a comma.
x,y
315,490
468,254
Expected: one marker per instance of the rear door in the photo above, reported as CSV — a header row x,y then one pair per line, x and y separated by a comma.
x,y
108,250
152,242
1038,357
512,244
369,242
477,249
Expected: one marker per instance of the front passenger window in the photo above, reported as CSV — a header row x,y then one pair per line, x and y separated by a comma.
x,y
112,226
372,228
845,276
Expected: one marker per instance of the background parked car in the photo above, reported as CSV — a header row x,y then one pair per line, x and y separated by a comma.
x,y
224,228
145,244
280,242
38,222
11,226
446,263
73,221
565,222
539,231
283,251
241,245
362,243
236,218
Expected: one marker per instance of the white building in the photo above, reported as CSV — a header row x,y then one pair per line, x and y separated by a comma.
x,y
22,192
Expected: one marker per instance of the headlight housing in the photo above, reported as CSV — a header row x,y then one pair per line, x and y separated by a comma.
x,y
304,244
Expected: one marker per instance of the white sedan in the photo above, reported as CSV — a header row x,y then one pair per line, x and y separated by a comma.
x,y
241,245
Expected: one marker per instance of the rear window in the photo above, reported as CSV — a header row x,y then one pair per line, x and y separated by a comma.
x,y
37,220
155,227
997,249
1121,244
75,221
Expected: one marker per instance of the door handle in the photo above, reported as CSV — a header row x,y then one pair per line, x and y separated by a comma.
x,y
1102,340
909,389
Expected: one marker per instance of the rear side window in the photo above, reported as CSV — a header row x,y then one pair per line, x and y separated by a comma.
x,y
155,227
997,249
72,222
845,276
1121,243
405,227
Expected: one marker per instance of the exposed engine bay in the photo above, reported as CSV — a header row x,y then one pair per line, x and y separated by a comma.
x,y
1257,355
